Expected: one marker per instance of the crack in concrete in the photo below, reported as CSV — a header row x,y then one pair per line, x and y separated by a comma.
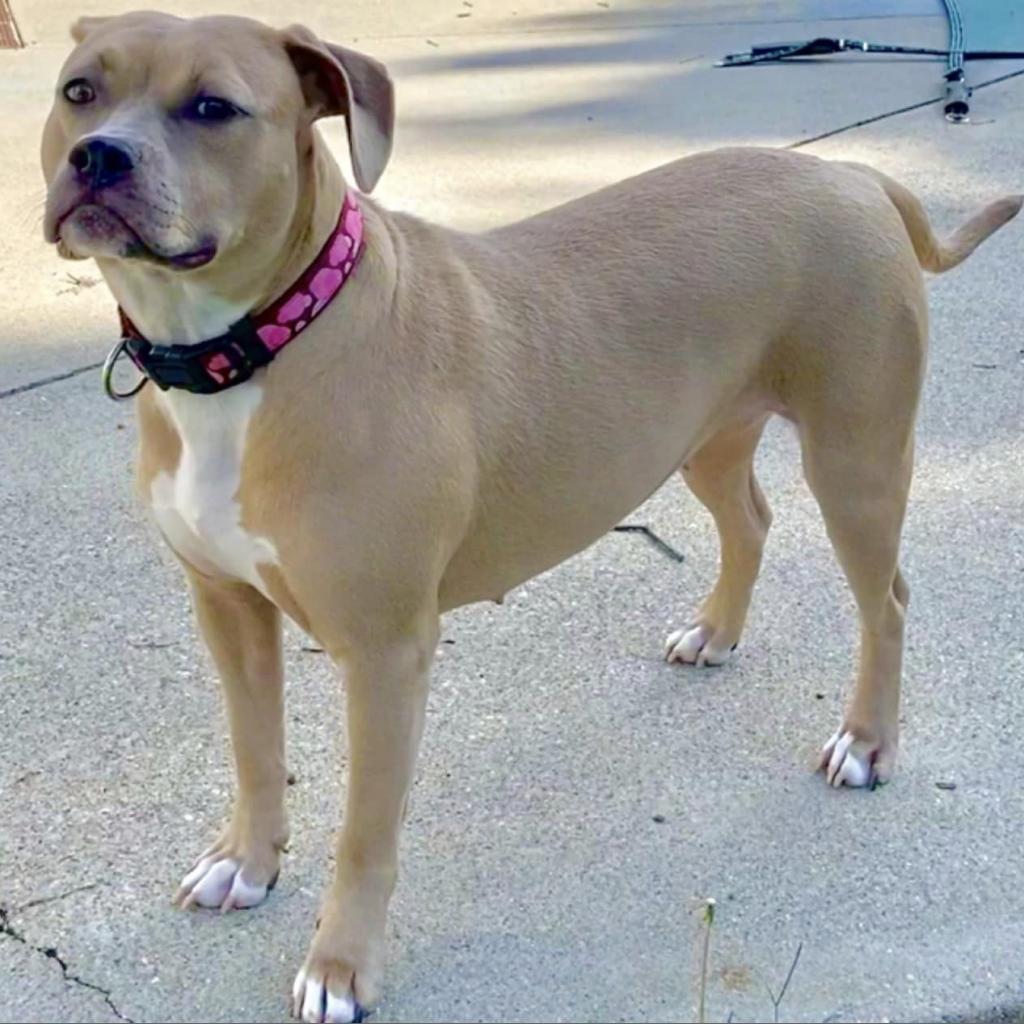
x,y
50,952
52,379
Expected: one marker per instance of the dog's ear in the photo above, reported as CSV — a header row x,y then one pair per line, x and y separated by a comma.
x,y
85,26
336,80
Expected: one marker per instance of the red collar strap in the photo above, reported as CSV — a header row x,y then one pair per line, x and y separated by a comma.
x,y
220,363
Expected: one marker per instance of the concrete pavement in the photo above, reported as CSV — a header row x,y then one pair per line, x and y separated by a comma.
x,y
537,884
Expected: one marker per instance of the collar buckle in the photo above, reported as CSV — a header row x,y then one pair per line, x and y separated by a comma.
x,y
204,368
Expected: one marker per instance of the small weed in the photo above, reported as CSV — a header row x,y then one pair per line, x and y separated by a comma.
x,y
706,923
707,918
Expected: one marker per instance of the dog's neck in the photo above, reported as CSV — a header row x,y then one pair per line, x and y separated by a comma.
x,y
173,307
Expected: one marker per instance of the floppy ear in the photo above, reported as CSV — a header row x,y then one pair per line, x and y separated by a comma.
x,y
336,80
84,26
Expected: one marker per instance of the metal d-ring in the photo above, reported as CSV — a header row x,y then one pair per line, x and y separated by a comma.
x,y
108,375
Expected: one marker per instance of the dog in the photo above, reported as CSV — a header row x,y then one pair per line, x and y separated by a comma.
x,y
361,420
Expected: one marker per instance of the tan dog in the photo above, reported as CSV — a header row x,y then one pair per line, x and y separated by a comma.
x,y
470,410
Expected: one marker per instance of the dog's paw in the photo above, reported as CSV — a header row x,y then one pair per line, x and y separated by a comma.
x,y
221,882
341,978
698,644
323,993
847,760
233,874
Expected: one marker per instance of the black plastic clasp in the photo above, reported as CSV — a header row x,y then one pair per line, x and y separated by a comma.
x,y
187,366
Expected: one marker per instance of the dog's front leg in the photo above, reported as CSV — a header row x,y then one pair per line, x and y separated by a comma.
x,y
386,685
242,629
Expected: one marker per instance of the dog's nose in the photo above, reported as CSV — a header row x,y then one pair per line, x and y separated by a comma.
x,y
101,161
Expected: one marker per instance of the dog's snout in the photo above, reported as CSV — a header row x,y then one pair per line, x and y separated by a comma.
x,y
102,162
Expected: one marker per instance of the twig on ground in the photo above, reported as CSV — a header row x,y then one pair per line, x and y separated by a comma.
x,y
662,546
60,896
777,1000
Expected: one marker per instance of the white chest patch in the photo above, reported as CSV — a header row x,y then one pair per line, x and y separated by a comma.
x,y
197,509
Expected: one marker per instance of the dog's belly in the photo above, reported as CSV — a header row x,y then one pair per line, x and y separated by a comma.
x,y
562,507
501,554
196,506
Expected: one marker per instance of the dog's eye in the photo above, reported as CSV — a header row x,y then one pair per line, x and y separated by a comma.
x,y
212,108
79,91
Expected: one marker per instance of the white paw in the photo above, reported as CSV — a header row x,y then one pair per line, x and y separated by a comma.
x,y
847,761
691,646
219,882
316,1003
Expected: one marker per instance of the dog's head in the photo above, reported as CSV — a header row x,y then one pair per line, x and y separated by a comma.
x,y
170,140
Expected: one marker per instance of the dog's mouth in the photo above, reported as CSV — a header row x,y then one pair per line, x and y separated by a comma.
x,y
91,228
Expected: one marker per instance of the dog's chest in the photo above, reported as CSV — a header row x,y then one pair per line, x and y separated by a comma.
x,y
197,504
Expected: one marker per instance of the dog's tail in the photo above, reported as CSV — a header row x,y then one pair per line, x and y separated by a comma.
x,y
937,255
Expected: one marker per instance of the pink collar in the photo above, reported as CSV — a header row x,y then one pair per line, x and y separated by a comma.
x,y
220,363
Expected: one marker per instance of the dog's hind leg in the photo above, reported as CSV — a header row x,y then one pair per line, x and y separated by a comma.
x,y
861,486
857,435
242,629
721,475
